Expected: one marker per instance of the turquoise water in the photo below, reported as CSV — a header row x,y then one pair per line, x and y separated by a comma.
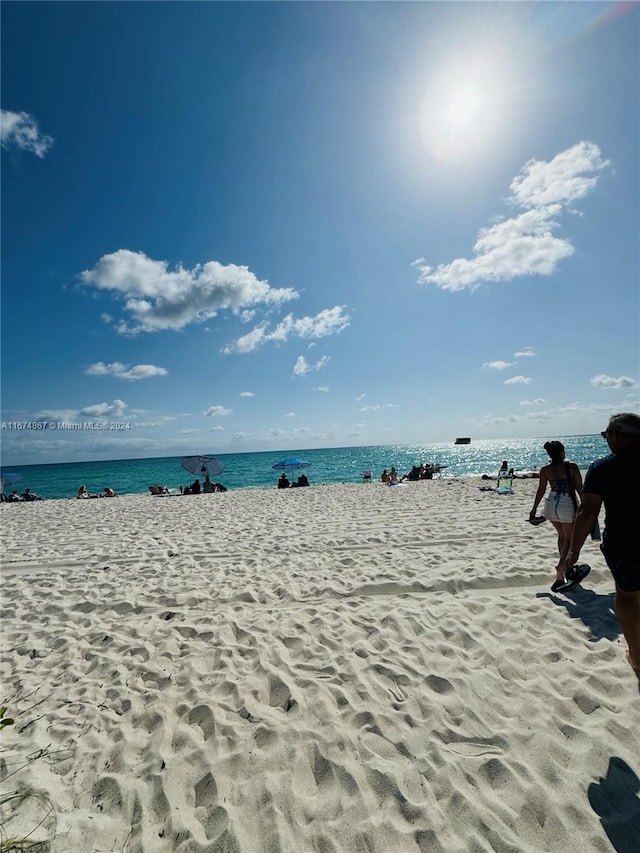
x,y
330,465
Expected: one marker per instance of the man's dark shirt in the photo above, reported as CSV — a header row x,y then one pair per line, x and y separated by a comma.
x,y
616,478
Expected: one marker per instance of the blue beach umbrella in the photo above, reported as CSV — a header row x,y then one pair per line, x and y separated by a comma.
x,y
292,463
7,479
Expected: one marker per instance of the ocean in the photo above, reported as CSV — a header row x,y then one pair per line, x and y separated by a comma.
x,y
329,465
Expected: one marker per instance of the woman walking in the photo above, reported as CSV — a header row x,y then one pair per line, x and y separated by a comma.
x,y
561,504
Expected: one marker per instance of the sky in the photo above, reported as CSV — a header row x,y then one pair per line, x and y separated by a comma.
x,y
234,227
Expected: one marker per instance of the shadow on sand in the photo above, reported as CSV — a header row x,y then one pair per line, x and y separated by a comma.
x,y
595,611
614,799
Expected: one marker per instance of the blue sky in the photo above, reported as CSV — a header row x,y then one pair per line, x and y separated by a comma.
x,y
246,226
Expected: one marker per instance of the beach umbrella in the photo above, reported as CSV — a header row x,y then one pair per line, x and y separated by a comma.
x,y
7,479
292,463
202,465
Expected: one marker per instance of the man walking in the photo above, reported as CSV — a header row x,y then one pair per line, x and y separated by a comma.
x,y
615,479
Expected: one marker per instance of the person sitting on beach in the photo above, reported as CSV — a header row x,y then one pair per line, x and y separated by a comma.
x,y
283,482
218,487
302,480
82,492
195,487
384,478
207,486
14,497
561,505
30,496
109,492
413,475
159,490
393,476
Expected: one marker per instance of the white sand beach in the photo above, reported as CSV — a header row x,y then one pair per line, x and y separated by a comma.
x,y
333,669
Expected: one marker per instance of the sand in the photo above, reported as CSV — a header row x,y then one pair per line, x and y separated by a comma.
x,y
333,669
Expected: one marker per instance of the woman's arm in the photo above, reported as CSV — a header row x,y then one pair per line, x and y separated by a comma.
x,y
577,478
542,488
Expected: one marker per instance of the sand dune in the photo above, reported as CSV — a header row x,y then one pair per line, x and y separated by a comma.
x,y
339,668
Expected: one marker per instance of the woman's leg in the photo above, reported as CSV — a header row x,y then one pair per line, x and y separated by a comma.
x,y
562,545
564,540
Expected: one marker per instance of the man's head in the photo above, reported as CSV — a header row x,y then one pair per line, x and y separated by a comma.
x,y
623,431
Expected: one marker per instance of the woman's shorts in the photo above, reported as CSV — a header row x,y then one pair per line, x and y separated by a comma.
x,y
559,508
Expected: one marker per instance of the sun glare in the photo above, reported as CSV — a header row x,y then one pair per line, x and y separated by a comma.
x,y
465,107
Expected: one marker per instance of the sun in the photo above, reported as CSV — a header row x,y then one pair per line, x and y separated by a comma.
x,y
465,106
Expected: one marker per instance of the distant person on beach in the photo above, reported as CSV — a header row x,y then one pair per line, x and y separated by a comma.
x,y
393,476
109,492
28,495
614,481
384,477
207,486
159,490
83,493
561,505
303,480
195,487
14,497
283,482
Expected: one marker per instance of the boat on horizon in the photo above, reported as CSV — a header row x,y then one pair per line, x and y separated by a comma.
x,y
464,440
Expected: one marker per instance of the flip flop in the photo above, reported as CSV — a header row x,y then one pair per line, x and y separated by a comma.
x,y
537,520
556,586
574,577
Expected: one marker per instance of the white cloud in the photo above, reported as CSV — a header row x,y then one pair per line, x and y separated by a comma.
x,y
101,410
217,412
537,402
247,394
323,388
524,245
360,397
331,321
498,365
518,380
612,383
302,366
157,298
571,175
290,415
21,130
188,431
56,415
123,371
525,352
217,428
377,407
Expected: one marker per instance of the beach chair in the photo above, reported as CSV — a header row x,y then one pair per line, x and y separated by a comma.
x,y
504,485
